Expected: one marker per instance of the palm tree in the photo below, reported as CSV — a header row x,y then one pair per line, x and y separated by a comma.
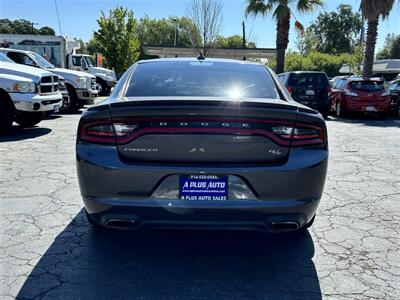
x,y
372,10
281,12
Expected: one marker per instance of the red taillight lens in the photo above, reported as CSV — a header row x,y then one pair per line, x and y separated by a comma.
x,y
290,89
104,132
308,135
302,134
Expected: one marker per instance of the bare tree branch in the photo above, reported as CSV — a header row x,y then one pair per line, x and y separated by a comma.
x,y
206,16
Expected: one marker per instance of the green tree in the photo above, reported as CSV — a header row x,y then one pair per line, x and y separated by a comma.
x,y
395,48
318,61
161,32
372,11
47,31
117,40
335,32
233,41
22,26
390,47
281,12
82,46
6,26
93,46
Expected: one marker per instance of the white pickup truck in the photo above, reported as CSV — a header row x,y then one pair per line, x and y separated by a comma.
x,y
26,93
61,51
81,86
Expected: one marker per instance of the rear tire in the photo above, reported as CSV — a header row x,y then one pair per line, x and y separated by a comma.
x,y
6,117
102,87
28,119
70,105
339,110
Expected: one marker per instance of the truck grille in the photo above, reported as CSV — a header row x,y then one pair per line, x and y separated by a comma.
x,y
48,85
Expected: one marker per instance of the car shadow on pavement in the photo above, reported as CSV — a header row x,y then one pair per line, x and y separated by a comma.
x,y
18,134
83,263
369,120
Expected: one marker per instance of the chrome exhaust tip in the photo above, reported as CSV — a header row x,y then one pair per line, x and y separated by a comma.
x,y
121,224
283,226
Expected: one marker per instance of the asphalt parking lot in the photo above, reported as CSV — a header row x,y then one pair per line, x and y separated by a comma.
x,y
48,251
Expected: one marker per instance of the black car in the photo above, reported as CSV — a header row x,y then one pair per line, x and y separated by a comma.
x,y
394,89
309,88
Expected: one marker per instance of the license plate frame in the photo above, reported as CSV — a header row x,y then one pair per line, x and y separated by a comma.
x,y
203,187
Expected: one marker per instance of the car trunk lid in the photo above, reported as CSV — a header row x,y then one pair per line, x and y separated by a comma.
x,y
204,131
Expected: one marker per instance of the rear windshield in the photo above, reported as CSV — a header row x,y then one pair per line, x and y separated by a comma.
x,y
367,85
198,79
314,79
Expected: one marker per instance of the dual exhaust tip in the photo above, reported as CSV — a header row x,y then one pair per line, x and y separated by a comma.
x,y
275,226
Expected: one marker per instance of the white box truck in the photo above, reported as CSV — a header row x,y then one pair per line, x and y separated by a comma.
x,y
61,52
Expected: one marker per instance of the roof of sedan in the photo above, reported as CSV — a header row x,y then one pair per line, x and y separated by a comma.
x,y
189,59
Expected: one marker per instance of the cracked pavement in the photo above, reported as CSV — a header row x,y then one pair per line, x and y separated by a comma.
x,y
48,251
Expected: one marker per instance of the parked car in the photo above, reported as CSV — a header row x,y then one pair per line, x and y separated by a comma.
x,y
25,94
334,79
61,52
394,90
308,88
354,94
81,86
201,143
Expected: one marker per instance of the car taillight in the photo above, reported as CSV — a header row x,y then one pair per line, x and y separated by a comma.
x,y
104,132
289,89
302,134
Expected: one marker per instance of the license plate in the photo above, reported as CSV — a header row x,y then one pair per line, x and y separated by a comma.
x,y
370,108
310,92
203,187
56,108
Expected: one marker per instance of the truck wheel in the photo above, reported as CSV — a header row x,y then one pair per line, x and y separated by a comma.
x,y
28,119
6,118
69,105
102,87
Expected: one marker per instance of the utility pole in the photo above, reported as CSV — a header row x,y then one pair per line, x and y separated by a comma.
x,y
33,29
176,31
244,37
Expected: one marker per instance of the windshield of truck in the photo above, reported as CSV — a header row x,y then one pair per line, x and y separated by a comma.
x,y
88,61
41,61
4,58
368,86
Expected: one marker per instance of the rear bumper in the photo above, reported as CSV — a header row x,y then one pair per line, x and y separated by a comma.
x,y
367,106
250,214
112,189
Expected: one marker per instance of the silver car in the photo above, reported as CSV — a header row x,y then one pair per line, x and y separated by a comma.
x,y
201,143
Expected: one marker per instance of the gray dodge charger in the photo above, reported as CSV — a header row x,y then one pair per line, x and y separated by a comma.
x,y
201,143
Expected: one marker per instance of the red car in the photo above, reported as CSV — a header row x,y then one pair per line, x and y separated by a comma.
x,y
354,94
